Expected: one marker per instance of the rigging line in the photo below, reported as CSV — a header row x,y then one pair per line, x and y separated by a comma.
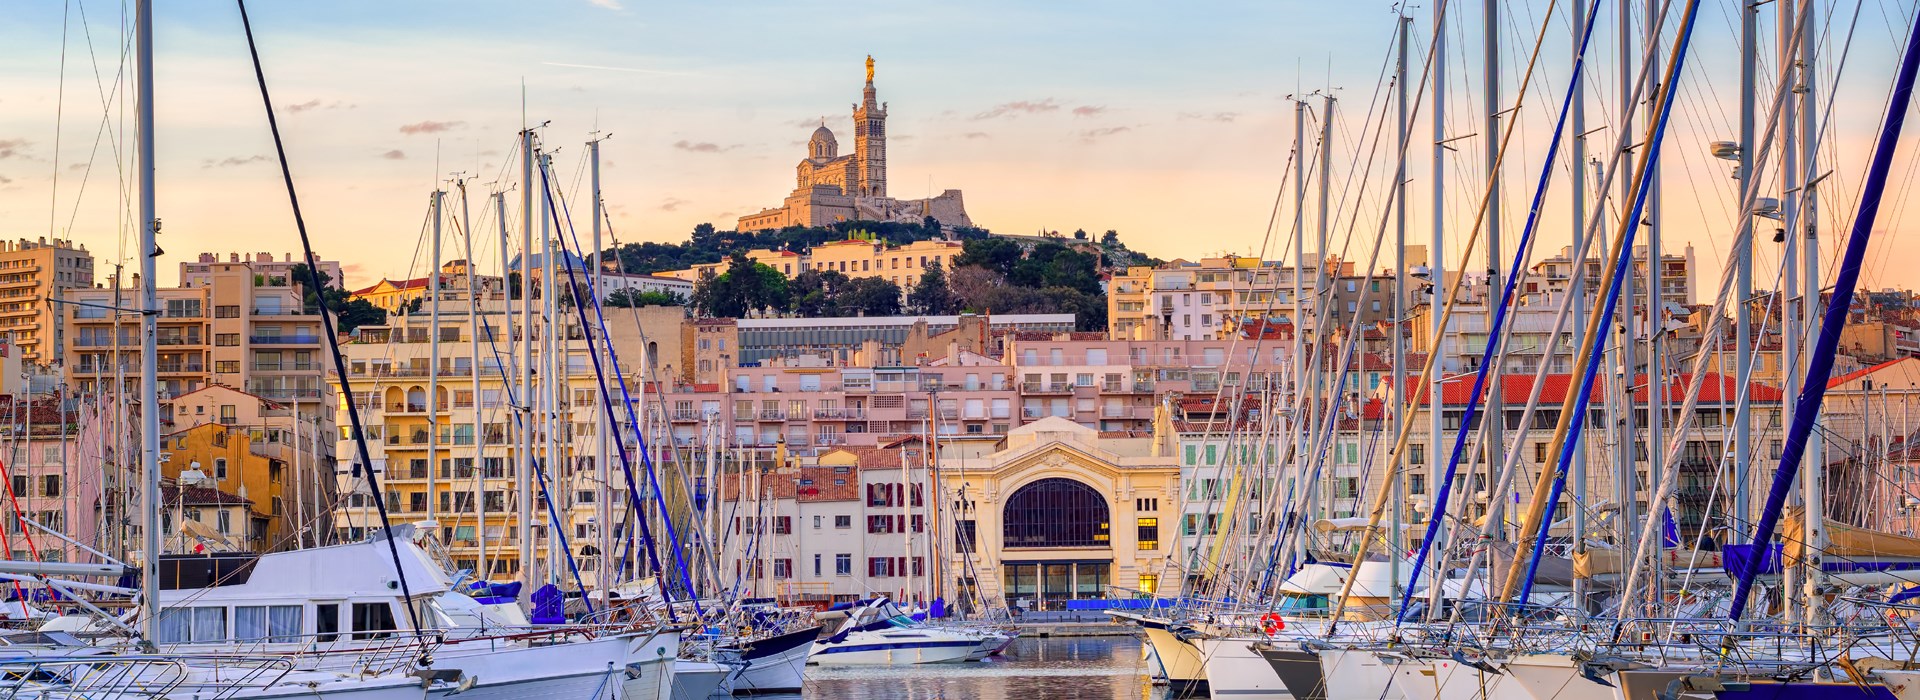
x,y
365,464
59,119
653,478
1385,492
1491,355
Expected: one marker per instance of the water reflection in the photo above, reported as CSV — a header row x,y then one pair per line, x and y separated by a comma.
x,y
1033,669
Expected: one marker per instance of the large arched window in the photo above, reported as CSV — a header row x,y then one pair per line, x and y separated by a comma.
x,y
1056,513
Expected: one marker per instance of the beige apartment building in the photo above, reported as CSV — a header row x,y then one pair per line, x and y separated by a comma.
x,y
901,265
199,272
232,328
31,273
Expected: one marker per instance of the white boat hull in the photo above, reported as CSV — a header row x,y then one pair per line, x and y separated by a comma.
x,y
1235,670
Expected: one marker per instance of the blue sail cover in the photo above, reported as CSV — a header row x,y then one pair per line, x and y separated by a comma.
x,y
549,606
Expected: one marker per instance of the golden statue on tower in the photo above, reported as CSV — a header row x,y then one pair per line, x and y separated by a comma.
x,y
869,68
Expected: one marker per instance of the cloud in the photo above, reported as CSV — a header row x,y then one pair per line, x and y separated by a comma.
x,y
76,167
1088,110
1014,109
672,204
1213,117
725,215
13,147
4,180
395,154
702,147
976,135
1104,132
231,161
608,4
303,106
430,127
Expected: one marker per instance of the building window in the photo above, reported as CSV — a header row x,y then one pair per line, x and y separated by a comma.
x,y
843,565
227,366
1149,583
226,340
219,467
842,522
965,536
226,311
1056,512
1149,533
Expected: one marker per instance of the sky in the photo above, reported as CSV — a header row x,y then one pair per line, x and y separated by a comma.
x,y
1168,122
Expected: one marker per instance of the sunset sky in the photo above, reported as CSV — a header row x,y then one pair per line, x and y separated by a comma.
x,y
1166,121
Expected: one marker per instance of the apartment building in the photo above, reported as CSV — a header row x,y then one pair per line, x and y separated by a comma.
x,y
201,272
55,477
1704,466
31,273
1213,298
233,327
902,264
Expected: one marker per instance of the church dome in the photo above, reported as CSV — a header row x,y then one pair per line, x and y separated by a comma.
x,y
822,145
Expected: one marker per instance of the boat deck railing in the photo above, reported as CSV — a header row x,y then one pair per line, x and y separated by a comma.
x,y
208,677
362,652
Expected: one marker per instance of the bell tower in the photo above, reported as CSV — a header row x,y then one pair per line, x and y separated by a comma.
x,y
870,142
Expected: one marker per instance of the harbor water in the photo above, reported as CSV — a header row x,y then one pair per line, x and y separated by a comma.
x,y
1103,668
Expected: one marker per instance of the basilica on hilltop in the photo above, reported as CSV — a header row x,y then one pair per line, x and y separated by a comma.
x,y
832,187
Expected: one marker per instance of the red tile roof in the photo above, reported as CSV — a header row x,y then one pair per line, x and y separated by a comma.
x,y
1856,374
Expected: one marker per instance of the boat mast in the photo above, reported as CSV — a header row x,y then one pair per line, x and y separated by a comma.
x,y
552,464
602,516
523,400
1302,438
149,223
1399,300
1495,413
479,466
1814,484
1619,404
1436,281
1743,277
1576,278
1787,301
433,359
506,371
1654,324
1322,289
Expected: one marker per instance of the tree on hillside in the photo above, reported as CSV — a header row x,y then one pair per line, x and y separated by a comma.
x,y
634,298
349,313
996,254
812,293
745,287
931,295
869,296
971,287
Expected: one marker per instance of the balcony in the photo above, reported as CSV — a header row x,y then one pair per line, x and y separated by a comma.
x,y
178,340
1046,388
284,339
279,394
179,367
1116,412
287,366
949,414
773,415
686,416
281,312
829,440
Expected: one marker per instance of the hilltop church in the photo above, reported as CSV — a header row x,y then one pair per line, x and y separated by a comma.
x,y
832,187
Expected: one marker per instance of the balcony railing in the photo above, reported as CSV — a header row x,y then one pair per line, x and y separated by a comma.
x,y
180,367
287,366
773,415
284,339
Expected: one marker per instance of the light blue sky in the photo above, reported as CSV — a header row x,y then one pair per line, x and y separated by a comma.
x,y
1166,121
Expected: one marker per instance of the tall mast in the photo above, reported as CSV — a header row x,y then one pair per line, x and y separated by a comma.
x,y
149,222
1619,407
1576,280
1742,511
1813,484
433,359
1436,281
1655,324
602,516
522,404
1788,300
506,370
1303,440
1399,298
1495,414
554,467
1323,288
473,363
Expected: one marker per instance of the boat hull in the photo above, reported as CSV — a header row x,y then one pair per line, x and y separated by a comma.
x,y
1235,670
775,664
